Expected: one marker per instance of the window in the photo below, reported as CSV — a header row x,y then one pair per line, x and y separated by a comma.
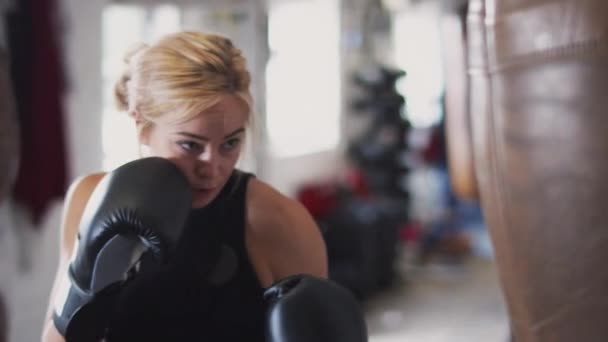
x,y
303,77
124,25
418,52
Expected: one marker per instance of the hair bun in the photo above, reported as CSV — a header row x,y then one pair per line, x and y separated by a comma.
x,y
134,51
121,89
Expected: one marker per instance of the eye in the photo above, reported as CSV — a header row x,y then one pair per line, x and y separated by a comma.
x,y
190,146
231,144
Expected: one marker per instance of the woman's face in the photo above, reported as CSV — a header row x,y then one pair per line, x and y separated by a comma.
x,y
206,148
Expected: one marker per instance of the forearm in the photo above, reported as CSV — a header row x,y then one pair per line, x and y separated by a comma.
x,y
50,333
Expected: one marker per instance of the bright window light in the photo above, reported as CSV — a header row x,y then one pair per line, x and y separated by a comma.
x,y
123,26
303,77
417,51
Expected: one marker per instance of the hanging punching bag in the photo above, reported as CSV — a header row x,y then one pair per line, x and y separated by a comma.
x,y
458,131
538,75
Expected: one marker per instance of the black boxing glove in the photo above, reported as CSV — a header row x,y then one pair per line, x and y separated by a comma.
x,y
304,308
140,207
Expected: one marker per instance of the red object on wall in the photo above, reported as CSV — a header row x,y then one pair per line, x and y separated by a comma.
x,y
356,182
42,169
320,199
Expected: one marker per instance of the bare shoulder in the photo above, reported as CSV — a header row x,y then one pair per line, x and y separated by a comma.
x,y
76,199
266,206
270,212
285,231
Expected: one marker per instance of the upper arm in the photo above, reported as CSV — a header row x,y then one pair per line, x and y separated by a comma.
x,y
75,201
286,234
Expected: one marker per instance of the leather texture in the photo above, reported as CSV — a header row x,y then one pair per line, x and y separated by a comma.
x,y
459,142
539,74
304,308
141,206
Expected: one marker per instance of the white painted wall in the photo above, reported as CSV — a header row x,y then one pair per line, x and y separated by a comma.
x,y
28,259
27,276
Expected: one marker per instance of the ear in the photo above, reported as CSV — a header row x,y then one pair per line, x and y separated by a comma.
x,y
143,135
142,131
136,116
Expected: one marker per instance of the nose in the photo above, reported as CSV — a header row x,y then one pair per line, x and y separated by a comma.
x,y
206,164
207,155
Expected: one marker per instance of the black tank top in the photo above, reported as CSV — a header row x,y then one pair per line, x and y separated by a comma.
x,y
177,303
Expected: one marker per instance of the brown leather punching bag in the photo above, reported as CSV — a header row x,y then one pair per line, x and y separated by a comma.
x,y
458,132
539,91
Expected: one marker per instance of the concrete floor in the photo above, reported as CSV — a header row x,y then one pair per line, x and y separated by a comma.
x,y
441,304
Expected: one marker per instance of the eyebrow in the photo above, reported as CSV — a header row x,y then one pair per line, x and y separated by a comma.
x,y
201,137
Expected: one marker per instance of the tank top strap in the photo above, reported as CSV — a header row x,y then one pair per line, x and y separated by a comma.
x,y
231,206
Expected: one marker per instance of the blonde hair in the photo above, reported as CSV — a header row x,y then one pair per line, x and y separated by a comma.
x,y
181,75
